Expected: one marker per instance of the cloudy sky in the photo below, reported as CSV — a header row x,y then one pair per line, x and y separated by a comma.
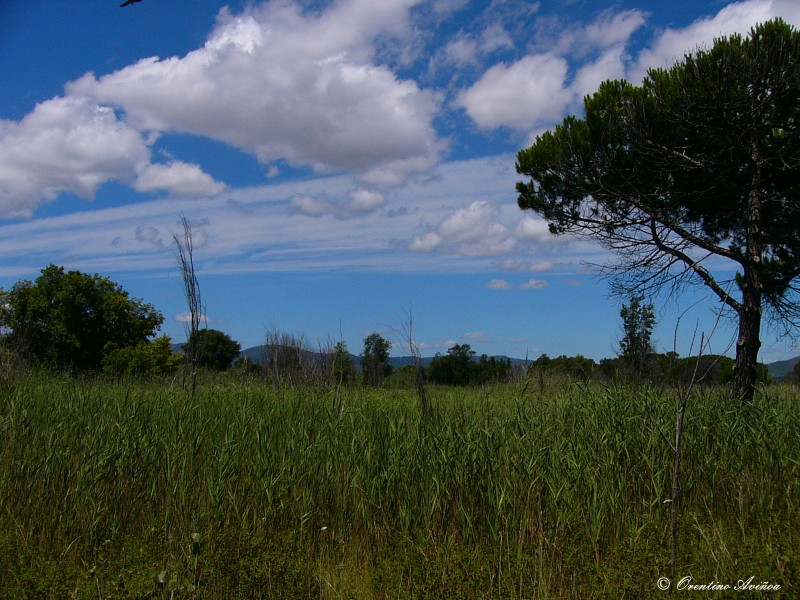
x,y
342,163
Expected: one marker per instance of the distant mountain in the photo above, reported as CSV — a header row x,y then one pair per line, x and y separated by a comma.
x,y
782,368
260,354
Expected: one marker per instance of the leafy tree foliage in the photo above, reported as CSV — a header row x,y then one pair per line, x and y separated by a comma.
x,y
636,346
454,368
70,319
375,359
458,367
670,369
342,363
702,160
145,359
575,367
215,349
492,369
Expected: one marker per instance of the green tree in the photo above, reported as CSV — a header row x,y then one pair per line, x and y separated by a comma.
x,y
577,367
702,160
455,368
491,369
70,319
215,349
145,359
375,359
636,346
342,363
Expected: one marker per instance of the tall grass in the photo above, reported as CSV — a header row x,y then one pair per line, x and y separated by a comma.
x,y
135,490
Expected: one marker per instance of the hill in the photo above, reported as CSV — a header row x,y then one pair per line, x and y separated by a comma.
x,y
782,368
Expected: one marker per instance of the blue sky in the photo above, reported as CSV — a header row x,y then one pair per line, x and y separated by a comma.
x,y
342,163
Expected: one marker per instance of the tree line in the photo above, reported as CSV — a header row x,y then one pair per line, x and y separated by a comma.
x,y
72,321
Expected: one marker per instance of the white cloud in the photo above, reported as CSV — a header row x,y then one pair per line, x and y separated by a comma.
x,y
534,284
534,229
609,65
72,145
186,317
310,206
358,203
470,231
499,284
475,336
467,49
64,145
522,95
461,50
527,266
502,284
495,37
178,178
608,30
322,102
426,242
535,91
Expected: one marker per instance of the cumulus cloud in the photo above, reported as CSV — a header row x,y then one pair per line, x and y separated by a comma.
x,y
426,242
470,231
186,317
323,102
326,101
64,145
178,178
73,145
534,229
499,284
521,95
535,91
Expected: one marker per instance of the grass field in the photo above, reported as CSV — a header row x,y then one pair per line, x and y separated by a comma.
x,y
526,490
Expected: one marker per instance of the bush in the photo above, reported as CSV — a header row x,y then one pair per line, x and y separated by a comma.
x,y
145,359
216,350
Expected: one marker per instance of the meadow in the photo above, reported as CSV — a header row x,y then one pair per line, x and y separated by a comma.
x,y
544,488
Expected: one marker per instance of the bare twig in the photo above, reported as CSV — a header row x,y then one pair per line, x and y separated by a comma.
x,y
184,245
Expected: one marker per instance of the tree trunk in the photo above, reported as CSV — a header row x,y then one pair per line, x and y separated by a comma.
x,y
752,286
749,341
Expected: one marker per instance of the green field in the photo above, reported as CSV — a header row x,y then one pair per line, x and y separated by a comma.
x,y
540,489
